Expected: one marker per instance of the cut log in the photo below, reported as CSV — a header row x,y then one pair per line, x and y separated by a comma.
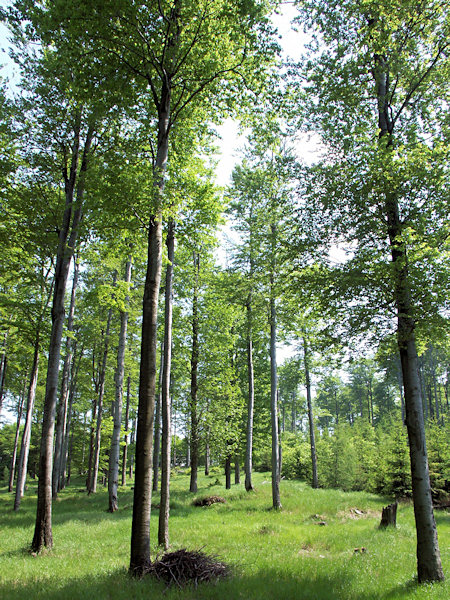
x,y
389,515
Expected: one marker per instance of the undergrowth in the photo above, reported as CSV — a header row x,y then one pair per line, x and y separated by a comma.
x,y
322,545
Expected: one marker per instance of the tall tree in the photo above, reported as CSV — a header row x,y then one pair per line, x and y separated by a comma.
x,y
395,62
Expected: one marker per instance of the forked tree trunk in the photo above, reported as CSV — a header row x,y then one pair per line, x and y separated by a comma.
x,y
101,392
114,453
16,440
62,409
163,529
125,447
312,440
26,436
43,536
140,529
194,445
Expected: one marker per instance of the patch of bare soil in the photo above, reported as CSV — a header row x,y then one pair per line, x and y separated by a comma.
x,y
356,513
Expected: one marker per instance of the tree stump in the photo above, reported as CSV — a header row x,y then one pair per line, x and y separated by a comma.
x,y
389,515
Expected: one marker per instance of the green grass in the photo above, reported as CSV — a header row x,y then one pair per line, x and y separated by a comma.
x,y
279,555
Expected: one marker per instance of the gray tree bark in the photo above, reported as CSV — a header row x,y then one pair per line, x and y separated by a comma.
x,y
276,501
312,440
125,448
62,409
26,436
250,401
163,529
114,453
66,447
101,392
157,438
194,445
16,439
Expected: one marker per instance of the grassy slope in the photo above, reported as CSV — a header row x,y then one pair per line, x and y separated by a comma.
x,y
274,555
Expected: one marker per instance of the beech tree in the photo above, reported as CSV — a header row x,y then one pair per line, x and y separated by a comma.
x,y
378,83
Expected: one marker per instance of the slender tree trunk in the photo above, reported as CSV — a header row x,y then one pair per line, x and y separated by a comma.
x,y
276,501
237,471
163,530
72,391
114,453
62,409
422,388
433,376
188,438
157,438
251,399
228,472
91,440
69,460
132,440
140,529
125,448
101,392
194,385
67,240
312,441
26,436
174,459
3,365
16,440
207,457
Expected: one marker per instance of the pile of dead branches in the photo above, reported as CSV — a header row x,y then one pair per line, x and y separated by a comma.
x,y
184,566
208,500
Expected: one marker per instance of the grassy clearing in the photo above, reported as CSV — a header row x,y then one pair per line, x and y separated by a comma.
x,y
279,555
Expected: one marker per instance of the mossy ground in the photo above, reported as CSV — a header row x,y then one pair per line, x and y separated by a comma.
x,y
274,555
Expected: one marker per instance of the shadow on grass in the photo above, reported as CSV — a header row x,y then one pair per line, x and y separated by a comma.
x,y
268,585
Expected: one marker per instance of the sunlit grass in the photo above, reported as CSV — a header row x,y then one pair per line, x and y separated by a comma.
x,y
286,554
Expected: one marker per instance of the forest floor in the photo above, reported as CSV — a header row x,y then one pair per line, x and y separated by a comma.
x,y
322,545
